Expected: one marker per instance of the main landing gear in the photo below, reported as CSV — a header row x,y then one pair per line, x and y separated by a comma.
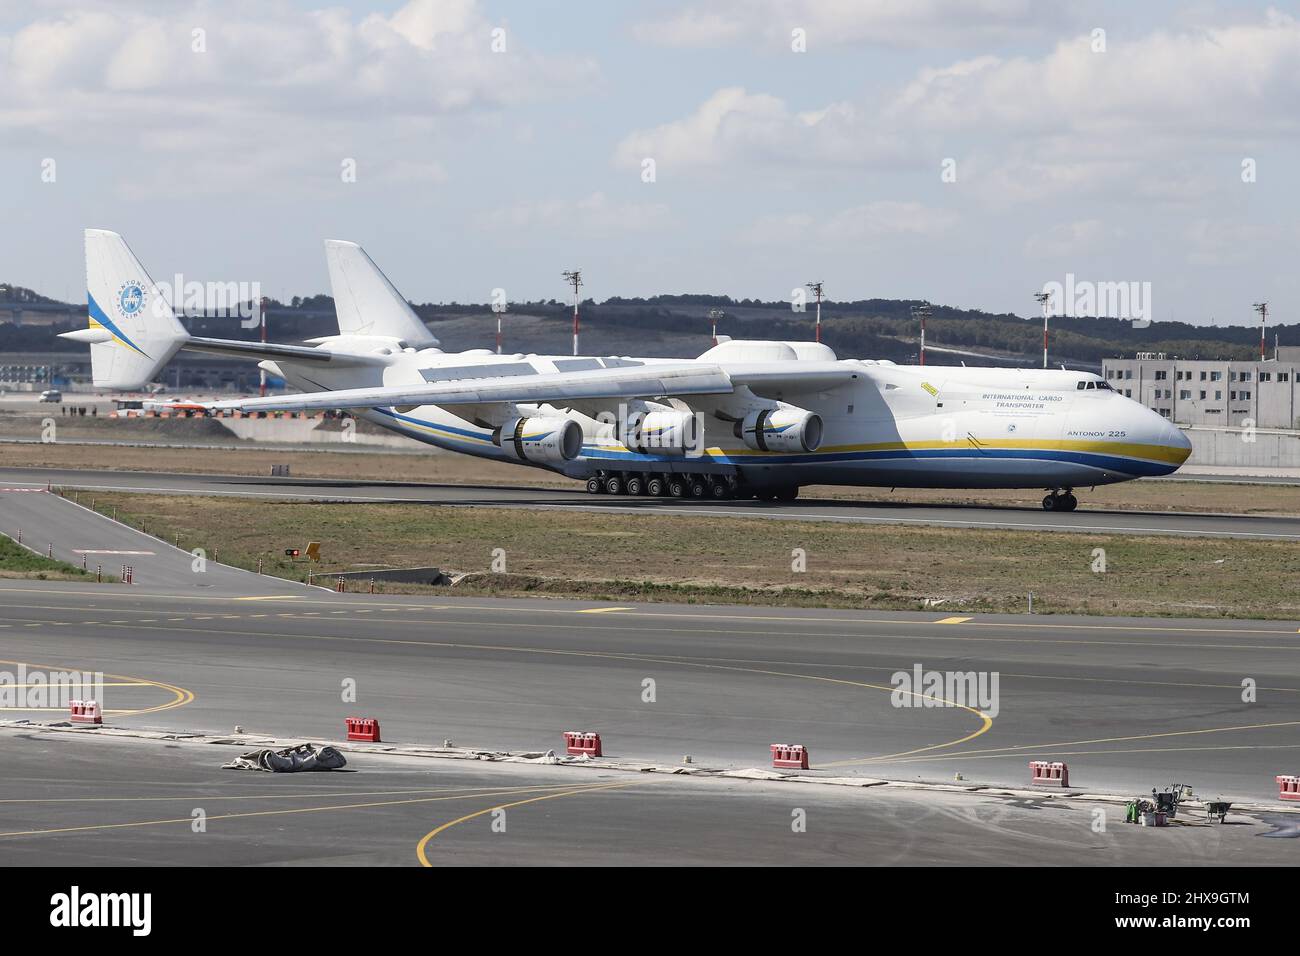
x,y
632,484
1060,501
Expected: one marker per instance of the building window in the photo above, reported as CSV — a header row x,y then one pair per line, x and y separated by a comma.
x,y
1218,395
1284,376
1202,394
1164,412
1202,376
1128,393
1216,376
1184,394
1232,376
1128,373
1245,376
1161,376
1232,396
1245,396
1266,376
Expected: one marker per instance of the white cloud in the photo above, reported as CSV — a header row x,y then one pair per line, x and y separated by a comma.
x,y
1068,239
1163,117
592,215
734,126
322,82
1219,81
895,23
865,225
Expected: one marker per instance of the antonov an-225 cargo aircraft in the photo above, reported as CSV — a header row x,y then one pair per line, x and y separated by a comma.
x,y
745,419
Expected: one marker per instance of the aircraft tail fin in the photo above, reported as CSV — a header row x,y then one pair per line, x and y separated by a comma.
x,y
366,302
132,330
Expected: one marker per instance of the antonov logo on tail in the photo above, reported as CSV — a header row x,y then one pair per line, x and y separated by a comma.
x,y
130,299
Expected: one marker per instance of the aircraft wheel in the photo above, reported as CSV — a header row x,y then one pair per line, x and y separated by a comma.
x,y
698,488
635,486
595,485
614,485
788,494
719,490
677,487
656,487
1050,503
1068,502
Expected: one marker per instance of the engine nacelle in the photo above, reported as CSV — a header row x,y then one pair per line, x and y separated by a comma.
x,y
548,441
785,429
663,432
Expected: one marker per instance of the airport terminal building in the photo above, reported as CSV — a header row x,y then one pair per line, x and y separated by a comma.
x,y
1211,393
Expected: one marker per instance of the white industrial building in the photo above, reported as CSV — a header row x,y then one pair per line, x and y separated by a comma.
x,y
1223,394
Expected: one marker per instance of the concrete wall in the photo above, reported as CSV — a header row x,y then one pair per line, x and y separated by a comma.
x,y
1225,447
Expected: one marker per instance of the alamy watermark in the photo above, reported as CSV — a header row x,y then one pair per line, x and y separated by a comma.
x,y
53,690
976,690
1083,298
221,300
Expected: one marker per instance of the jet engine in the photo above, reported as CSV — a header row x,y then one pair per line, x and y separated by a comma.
x,y
549,441
668,432
786,428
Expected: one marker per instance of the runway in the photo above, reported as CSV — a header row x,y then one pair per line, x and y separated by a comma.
x,y
1130,704
1253,527
137,804
510,674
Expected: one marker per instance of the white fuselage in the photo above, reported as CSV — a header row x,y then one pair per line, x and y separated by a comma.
x,y
903,426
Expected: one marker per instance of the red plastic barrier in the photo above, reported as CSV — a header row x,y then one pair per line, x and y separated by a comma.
x,y
85,712
1049,773
578,743
790,756
363,728
1288,788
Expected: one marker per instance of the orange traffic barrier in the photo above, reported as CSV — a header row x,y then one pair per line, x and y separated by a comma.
x,y
578,743
790,756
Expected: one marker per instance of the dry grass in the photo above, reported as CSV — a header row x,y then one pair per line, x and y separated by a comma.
x,y
743,560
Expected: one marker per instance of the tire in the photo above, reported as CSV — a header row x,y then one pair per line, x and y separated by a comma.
x,y
635,486
1069,502
677,488
656,488
594,485
698,488
1050,503
788,494
719,490
614,485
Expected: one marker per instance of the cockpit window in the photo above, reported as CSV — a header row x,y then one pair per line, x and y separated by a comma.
x,y
1081,385
1105,385
1092,384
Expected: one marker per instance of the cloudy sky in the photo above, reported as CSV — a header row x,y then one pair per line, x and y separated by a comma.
x,y
963,152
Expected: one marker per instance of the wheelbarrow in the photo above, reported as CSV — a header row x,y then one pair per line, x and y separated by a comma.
x,y
1216,810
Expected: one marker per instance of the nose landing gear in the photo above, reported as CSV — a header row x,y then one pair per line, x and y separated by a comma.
x,y
1060,501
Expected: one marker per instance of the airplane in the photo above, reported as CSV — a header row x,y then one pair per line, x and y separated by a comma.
x,y
746,419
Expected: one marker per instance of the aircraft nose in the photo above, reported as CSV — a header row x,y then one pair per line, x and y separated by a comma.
x,y
1155,429
1179,441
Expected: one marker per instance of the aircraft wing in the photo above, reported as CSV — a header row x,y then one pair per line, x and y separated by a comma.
x,y
646,381
656,380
